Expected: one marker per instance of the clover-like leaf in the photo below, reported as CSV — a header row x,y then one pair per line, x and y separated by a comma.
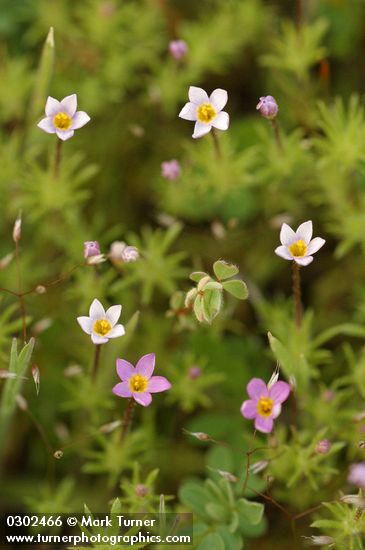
x,y
237,288
223,270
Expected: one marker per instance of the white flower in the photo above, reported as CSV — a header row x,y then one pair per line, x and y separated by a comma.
x,y
298,245
206,111
62,118
101,324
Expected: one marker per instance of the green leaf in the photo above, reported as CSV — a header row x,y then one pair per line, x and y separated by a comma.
x,y
224,270
198,308
237,288
212,541
250,512
194,497
212,303
197,275
213,285
231,541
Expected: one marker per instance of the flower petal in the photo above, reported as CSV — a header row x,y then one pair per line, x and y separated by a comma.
x,y
69,104
283,252
200,129
96,310
305,231
264,424
113,314
65,134
79,120
276,410
279,392
188,112
221,121
304,261
122,389
145,365
198,95
85,323
157,384
287,235
53,106
219,98
46,125
315,245
98,339
116,331
125,369
249,409
143,399
257,388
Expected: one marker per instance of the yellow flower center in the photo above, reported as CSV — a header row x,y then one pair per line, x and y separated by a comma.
x,y
62,121
102,327
298,249
264,406
206,113
138,383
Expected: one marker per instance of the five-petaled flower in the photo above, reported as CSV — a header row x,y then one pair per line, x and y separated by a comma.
x,y
206,111
138,382
62,118
298,245
101,324
264,404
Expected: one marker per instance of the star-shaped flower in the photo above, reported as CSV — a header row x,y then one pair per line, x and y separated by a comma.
x,y
206,111
138,382
101,324
298,245
62,118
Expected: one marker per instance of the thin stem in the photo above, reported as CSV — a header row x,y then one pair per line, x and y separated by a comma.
x,y
299,14
127,418
217,147
277,134
96,362
248,463
19,294
57,158
297,294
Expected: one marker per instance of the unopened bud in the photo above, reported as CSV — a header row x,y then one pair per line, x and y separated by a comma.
x,y
178,49
91,248
199,435
171,169
141,490
72,370
108,428
268,107
58,454
274,378
40,289
17,231
36,377
5,261
323,447
21,402
320,540
41,326
228,476
121,252
258,466
356,500
194,372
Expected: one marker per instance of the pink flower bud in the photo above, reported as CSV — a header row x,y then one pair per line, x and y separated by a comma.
x,y
171,170
91,248
141,490
328,395
323,447
178,49
268,107
130,254
357,475
194,372
120,252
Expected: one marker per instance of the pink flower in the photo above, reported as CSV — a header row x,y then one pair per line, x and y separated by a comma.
x,y
171,169
178,49
138,382
264,404
357,474
323,447
91,248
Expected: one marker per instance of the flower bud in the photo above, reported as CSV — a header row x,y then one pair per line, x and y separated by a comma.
x,y
130,254
323,447
268,107
321,540
40,289
91,248
17,231
58,454
141,490
5,261
357,475
120,252
194,372
178,49
21,402
328,395
258,466
171,169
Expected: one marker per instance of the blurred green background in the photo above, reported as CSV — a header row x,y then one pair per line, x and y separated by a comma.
x,y
115,56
